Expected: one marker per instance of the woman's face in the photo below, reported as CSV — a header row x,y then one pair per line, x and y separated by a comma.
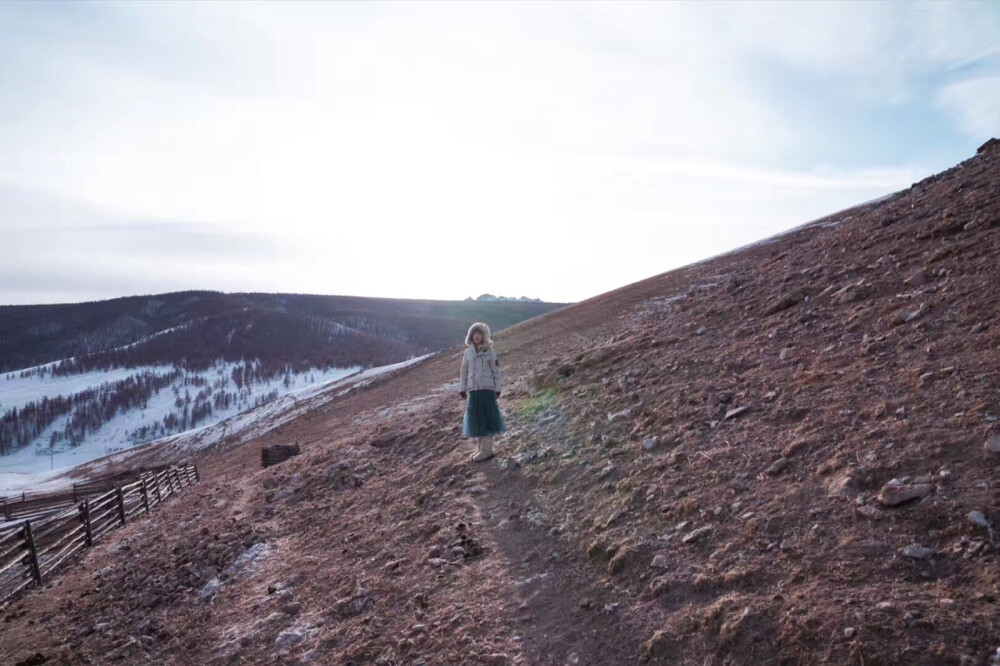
x,y
477,337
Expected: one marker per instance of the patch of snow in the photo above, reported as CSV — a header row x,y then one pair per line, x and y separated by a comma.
x,y
256,422
17,391
34,466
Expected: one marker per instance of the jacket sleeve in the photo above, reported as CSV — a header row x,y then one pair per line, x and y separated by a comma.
x,y
495,371
463,380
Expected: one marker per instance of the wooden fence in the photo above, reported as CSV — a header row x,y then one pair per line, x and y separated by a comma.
x,y
33,505
32,550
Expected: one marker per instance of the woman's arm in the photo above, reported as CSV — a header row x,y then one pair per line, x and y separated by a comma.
x,y
463,381
495,371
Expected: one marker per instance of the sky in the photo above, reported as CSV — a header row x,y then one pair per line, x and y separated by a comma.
x,y
445,150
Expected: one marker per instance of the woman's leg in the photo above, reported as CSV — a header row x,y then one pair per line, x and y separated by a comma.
x,y
485,451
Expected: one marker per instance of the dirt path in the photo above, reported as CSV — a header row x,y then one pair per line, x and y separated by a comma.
x,y
566,616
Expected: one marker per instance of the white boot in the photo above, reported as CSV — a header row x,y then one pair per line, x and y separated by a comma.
x,y
485,450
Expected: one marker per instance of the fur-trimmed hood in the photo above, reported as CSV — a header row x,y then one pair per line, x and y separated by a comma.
x,y
482,328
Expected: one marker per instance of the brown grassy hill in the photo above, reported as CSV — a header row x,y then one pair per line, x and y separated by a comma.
x,y
705,467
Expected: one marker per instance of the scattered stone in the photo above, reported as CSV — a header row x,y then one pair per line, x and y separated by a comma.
x,y
733,413
918,552
696,534
650,443
918,279
786,353
896,494
418,629
701,330
437,562
978,328
660,562
289,638
849,632
844,485
613,518
210,589
787,545
992,444
624,414
778,466
354,604
978,518
586,604
784,302
905,316
606,472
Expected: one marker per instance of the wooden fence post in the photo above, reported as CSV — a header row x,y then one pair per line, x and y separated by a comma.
x,y
145,495
121,505
85,514
36,573
197,476
177,478
156,485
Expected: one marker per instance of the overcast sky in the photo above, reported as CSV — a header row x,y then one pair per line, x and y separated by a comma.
x,y
446,150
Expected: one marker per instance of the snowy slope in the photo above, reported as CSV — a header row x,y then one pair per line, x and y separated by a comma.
x,y
29,468
32,464
253,423
17,391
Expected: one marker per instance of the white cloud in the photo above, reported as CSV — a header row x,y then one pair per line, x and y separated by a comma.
x,y
975,103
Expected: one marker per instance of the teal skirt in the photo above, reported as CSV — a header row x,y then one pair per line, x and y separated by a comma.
x,y
482,415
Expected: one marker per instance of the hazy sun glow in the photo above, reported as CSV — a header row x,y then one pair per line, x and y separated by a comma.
x,y
445,150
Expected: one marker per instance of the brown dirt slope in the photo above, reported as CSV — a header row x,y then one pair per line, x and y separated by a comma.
x,y
711,466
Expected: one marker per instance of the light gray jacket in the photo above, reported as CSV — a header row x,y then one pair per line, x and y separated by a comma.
x,y
480,367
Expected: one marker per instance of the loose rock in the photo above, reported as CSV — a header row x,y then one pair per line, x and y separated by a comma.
x,y
978,518
733,413
894,495
918,552
778,466
694,535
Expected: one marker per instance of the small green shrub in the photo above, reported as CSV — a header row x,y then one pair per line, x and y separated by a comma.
x,y
529,408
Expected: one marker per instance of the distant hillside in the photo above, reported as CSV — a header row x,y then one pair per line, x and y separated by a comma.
x,y
118,373
192,329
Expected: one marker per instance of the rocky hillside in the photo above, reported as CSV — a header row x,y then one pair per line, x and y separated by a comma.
x,y
785,455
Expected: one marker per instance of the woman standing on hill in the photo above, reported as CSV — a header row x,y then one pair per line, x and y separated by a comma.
x,y
479,385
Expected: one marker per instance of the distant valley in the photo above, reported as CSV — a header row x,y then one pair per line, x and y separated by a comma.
x,y
83,380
